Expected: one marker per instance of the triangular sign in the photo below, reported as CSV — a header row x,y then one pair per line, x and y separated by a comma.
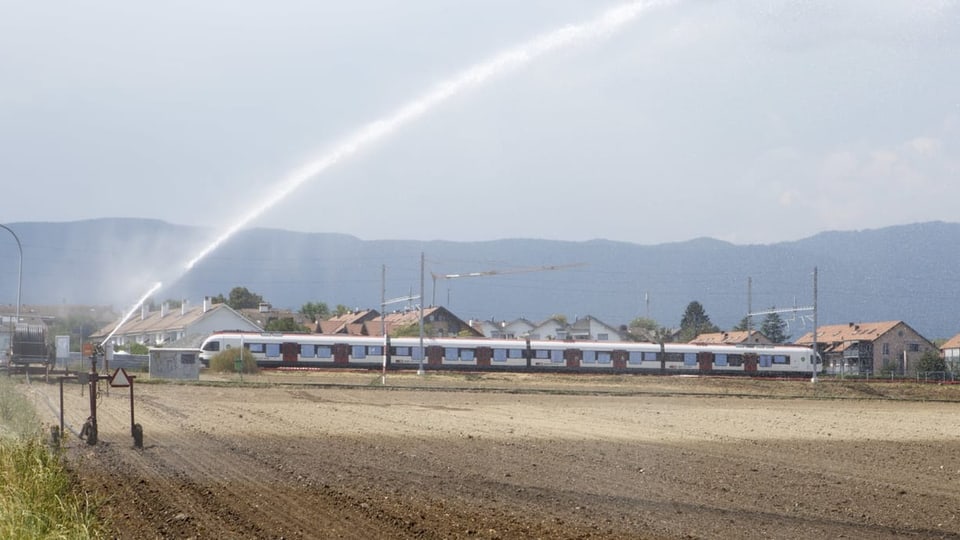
x,y
119,378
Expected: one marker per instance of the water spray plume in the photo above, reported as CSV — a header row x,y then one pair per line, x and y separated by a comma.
x,y
604,25
155,288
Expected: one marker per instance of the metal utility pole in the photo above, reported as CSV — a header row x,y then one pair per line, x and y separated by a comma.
x,y
19,270
383,324
422,352
816,355
749,304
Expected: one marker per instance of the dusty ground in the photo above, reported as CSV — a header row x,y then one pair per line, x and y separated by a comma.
x,y
502,456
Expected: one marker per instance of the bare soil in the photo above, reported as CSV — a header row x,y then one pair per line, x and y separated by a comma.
x,y
338,455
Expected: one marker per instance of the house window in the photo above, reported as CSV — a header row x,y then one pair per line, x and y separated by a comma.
x,y
603,337
886,348
914,347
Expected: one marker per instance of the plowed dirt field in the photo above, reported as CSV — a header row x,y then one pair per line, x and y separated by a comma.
x,y
338,455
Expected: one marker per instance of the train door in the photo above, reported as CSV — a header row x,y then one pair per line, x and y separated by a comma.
x,y
289,351
573,357
434,356
484,354
750,363
705,360
341,354
620,360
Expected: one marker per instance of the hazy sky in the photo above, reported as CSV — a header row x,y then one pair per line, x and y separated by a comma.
x,y
745,120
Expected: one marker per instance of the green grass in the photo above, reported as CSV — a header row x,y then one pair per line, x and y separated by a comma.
x,y
37,497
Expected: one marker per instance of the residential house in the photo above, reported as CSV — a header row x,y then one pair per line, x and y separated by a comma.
x,y
264,314
518,328
735,337
438,321
552,328
591,328
585,329
869,348
950,352
353,323
168,325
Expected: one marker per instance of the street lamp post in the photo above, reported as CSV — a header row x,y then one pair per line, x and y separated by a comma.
x,y
19,269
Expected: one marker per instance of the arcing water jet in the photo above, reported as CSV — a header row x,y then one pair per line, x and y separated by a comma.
x,y
604,25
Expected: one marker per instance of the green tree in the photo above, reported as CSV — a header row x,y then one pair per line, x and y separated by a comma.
x,y
285,324
341,310
560,317
931,361
743,325
647,329
241,298
775,328
315,310
695,321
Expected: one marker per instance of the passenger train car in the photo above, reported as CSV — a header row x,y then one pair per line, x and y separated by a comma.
x,y
273,350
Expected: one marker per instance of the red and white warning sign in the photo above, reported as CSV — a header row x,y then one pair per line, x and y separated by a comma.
x,y
119,379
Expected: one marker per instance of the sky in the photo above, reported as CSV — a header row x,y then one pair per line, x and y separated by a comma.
x,y
748,121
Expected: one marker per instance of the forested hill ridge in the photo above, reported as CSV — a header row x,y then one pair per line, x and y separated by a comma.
x,y
909,273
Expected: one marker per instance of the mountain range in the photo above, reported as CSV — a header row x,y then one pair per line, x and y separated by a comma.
x,y
907,272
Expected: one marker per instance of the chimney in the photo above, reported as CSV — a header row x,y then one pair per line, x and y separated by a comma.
x,y
164,309
143,311
264,307
207,302
183,307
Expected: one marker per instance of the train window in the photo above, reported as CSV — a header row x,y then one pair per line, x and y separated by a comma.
x,y
255,347
358,351
211,346
556,356
650,356
720,359
308,351
467,354
589,356
324,351
401,351
781,359
450,353
515,353
541,354
375,350
500,355
735,359
273,350
689,359
766,360
417,353
604,357
635,357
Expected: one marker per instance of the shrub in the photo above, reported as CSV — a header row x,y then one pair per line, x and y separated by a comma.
x,y
226,361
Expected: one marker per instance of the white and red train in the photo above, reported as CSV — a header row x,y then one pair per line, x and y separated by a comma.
x,y
273,350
